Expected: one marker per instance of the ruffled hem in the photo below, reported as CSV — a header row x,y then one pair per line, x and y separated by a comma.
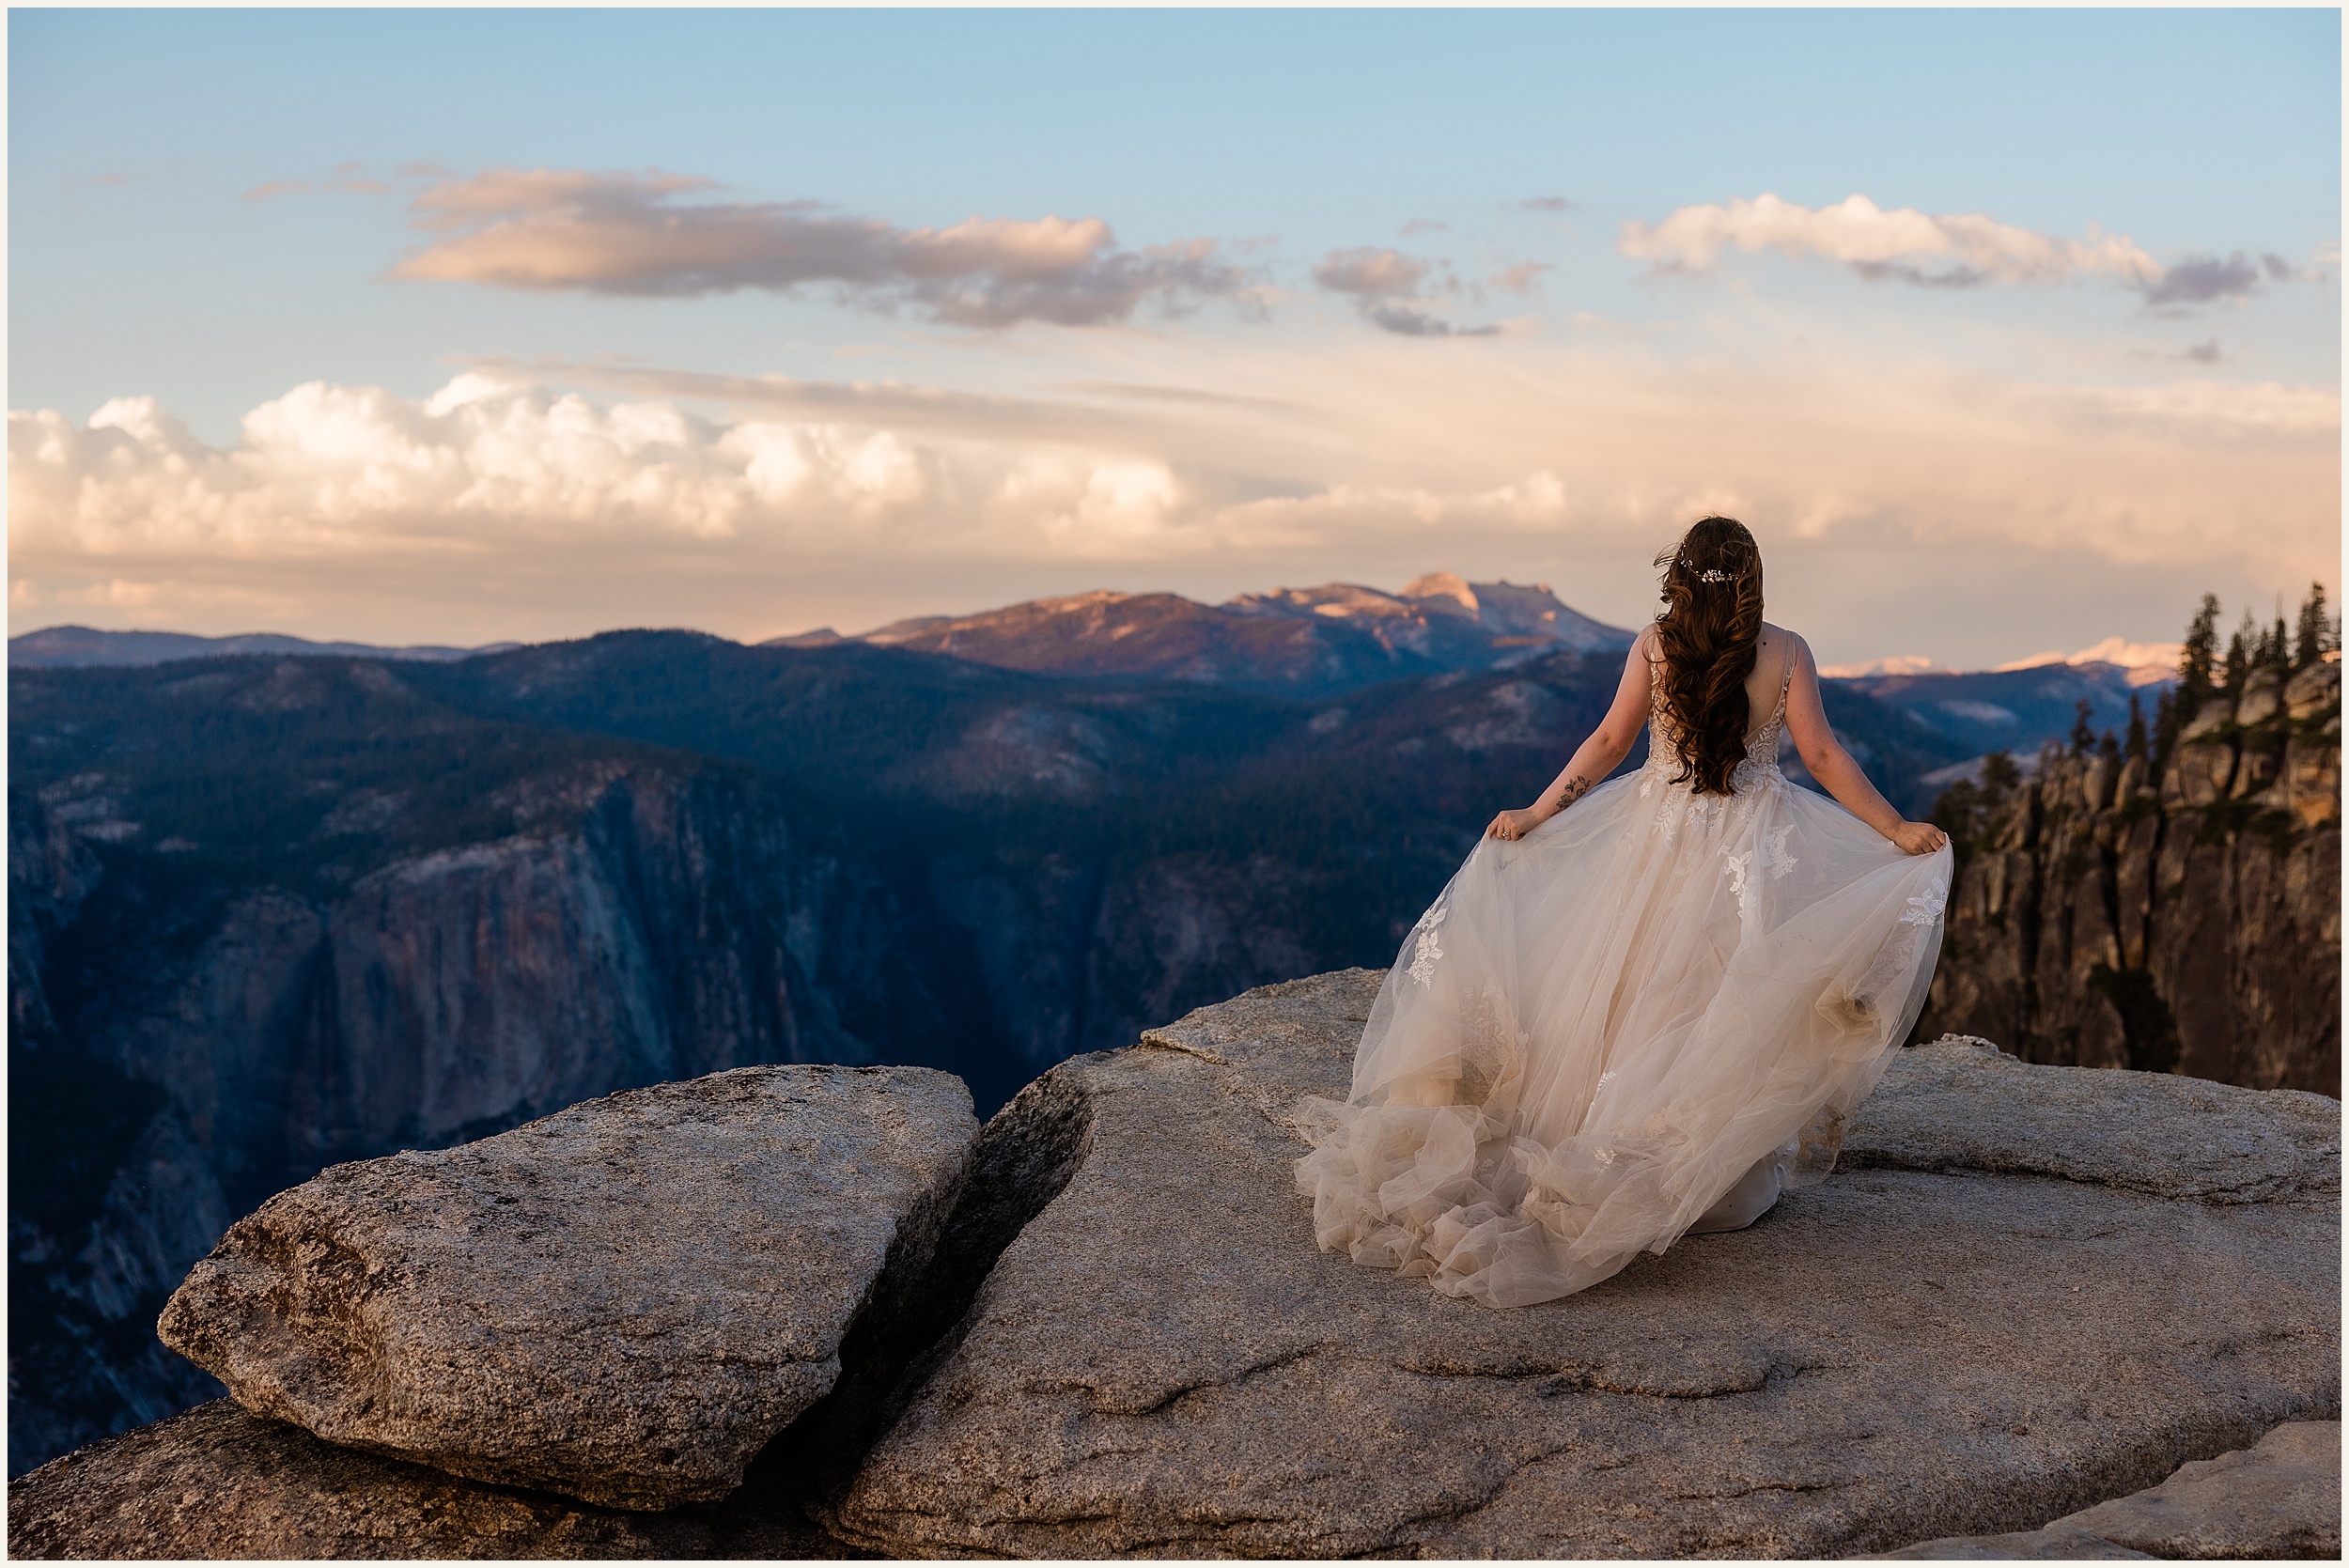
x,y
1447,1194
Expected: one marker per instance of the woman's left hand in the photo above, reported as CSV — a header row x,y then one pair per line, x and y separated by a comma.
x,y
1920,838
1515,824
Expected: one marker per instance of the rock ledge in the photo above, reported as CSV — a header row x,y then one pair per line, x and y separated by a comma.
x,y
622,1303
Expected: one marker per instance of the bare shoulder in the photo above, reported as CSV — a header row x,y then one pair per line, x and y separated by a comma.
x,y
1778,641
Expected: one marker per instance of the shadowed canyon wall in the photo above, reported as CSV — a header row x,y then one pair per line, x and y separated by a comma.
x,y
2186,923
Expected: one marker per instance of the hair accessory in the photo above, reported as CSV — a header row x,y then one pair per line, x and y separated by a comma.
x,y
1710,575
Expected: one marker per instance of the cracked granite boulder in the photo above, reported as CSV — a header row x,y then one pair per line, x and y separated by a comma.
x,y
622,1303
2281,1499
2028,1289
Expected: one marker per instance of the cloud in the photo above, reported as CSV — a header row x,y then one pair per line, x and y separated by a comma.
x,y
1547,204
1373,274
631,234
1389,288
500,506
2201,354
1523,278
1424,225
347,178
1950,251
2198,280
1407,322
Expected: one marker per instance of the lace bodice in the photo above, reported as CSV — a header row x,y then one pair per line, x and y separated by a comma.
x,y
1663,740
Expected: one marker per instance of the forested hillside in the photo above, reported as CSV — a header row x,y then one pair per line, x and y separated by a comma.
x,y
2167,897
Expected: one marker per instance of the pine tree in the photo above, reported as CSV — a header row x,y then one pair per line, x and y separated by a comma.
x,y
2242,650
2278,649
2314,630
2083,738
2195,662
2166,725
2000,775
2110,750
2135,747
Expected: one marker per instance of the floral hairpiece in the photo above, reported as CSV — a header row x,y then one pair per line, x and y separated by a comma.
x,y
1713,575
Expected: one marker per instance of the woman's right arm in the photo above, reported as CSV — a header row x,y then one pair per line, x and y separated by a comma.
x,y
1833,766
1599,754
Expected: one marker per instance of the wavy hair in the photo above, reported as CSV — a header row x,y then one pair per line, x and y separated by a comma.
x,y
1707,632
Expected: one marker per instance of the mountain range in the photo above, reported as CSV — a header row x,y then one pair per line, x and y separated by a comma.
x,y
1292,642
1306,644
60,647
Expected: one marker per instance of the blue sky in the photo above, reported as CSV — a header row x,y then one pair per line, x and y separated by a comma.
x,y
2116,429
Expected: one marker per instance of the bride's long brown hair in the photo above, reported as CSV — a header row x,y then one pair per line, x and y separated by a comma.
x,y
1707,632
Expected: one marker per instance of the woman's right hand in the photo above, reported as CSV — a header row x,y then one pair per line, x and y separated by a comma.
x,y
1515,824
1919,838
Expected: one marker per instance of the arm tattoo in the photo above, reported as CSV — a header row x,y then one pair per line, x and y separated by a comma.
x,y
1576,789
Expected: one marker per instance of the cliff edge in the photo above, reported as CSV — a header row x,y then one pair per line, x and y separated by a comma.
x,y
2028,1291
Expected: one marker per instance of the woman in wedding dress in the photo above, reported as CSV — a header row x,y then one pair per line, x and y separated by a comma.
x,y
1644,1007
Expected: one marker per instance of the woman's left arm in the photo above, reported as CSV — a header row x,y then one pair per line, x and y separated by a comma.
x,y
1597,756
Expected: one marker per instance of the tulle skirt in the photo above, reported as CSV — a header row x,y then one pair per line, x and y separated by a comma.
x,y
1645,1017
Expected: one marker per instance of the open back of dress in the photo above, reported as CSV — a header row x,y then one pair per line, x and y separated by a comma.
x,y
1598,1030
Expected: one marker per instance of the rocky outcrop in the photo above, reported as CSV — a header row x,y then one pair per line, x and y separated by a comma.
x,y
2281,1499
623,1302
1963,1103
2190,923
1994,1318
218,1482
2028,1289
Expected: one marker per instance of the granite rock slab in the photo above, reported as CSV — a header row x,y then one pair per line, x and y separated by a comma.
x,y
1962,1104
218,1482
2002,1315
622,1303
2278,1499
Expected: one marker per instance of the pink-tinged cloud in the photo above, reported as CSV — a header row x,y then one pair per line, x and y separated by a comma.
x,y
1391,290
552,229
346,178
499,507
1947,251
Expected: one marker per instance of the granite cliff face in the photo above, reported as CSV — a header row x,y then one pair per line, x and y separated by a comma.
x,y
2188,923
643,925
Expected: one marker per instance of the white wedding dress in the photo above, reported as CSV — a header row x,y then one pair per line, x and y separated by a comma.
x,y
1644,1018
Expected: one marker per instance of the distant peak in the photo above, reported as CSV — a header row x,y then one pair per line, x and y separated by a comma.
x,y
1896,664
2146,661
1442,585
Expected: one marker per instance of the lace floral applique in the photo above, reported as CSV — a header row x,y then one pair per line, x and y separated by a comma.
x,y
1925,907
1738,865
1426,953
1774,853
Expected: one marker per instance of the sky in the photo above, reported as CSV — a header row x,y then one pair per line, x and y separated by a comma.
x,y
2003,330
